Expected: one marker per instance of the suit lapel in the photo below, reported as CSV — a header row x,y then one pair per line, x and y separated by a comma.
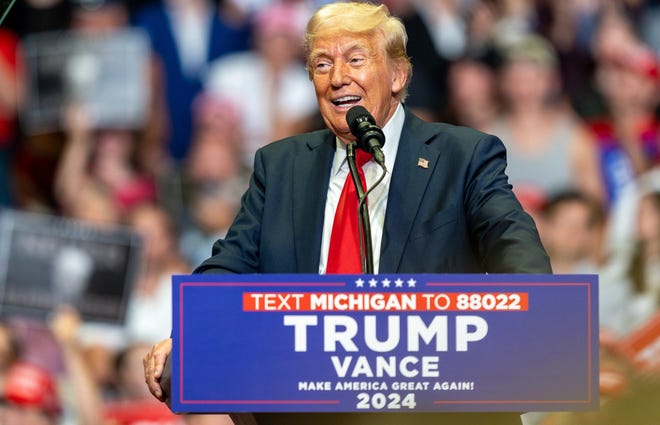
x,y
415,163
311,178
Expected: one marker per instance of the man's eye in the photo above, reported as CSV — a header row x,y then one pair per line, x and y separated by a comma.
x,y
357,60
322,66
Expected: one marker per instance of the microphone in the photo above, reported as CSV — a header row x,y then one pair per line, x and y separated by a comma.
x,y
370,137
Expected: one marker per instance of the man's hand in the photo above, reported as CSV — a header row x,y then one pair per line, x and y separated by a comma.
x,y
154,363
65,325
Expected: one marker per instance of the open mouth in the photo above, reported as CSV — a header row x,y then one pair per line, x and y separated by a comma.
x,y
346,101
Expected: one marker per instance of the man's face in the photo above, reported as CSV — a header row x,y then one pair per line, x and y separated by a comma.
x,y
570,235
349,70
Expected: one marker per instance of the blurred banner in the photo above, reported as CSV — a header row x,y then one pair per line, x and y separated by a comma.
x,y
46,261
5,5
107,75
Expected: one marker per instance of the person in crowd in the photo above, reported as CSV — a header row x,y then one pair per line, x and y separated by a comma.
x,y
214,177
29,397
100,157
515,21
627,135
75,389
215,152
570,27
186,36
149,311
214,159
644,267
631,275
41,145
135,108
481,26
99,356
95,205
212,206
572,232
356,55
79,398
11,89
50,382
625,305
267,87
473,98
548,148
10,348
427,91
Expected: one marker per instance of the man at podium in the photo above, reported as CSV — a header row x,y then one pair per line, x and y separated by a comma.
x,y
443,206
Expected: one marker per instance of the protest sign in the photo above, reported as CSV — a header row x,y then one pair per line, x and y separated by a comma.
x,y
46,261
106,75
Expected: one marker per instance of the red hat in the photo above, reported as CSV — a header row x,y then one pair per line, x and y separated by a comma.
x,y
31,386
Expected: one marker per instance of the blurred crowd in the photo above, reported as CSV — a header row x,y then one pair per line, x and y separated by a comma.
x,y
570,86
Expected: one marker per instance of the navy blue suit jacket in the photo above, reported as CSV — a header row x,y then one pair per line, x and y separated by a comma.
x,y
458,215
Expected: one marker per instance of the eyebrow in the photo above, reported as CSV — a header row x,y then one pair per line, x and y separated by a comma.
x,y
356,46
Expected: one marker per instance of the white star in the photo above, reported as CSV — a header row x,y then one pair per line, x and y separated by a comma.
x,y
359,283
386,283
411,283
398,283
373,283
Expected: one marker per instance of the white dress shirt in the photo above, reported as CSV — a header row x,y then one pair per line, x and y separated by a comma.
x,y
377,199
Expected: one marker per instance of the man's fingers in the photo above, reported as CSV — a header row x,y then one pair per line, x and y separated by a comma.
x,y
163,349
153,363
158,364
155,389
152,381
149,374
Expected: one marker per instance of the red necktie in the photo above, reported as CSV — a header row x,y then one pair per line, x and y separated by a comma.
x,y
344,253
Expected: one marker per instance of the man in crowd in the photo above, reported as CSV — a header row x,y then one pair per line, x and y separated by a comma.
x,y
445,205
29,397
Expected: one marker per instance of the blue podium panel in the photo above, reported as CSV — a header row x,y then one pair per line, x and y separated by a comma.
x,y
391,343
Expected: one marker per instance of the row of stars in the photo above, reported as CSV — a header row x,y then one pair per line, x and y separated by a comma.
x,y
385,283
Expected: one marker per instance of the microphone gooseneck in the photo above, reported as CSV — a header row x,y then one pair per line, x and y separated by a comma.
x,y
370,138
364,225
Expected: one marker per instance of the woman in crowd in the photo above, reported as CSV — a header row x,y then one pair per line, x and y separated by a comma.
x,y
548,148
268,86
100,157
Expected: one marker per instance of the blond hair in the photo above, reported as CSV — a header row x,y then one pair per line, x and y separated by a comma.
x,y
365,19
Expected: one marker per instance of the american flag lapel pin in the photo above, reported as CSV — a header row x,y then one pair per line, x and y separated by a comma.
x,y
423,163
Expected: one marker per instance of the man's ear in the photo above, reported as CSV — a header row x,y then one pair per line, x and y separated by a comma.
x,y
399,77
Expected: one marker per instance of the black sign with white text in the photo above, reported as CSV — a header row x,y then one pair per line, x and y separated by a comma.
x,y
46,261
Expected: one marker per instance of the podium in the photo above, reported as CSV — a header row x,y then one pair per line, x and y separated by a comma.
x,y
413,344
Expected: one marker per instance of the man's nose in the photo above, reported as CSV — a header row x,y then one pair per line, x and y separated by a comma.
x,y
340,74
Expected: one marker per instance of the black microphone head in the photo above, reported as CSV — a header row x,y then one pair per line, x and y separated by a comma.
x,y
363,126
357,115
